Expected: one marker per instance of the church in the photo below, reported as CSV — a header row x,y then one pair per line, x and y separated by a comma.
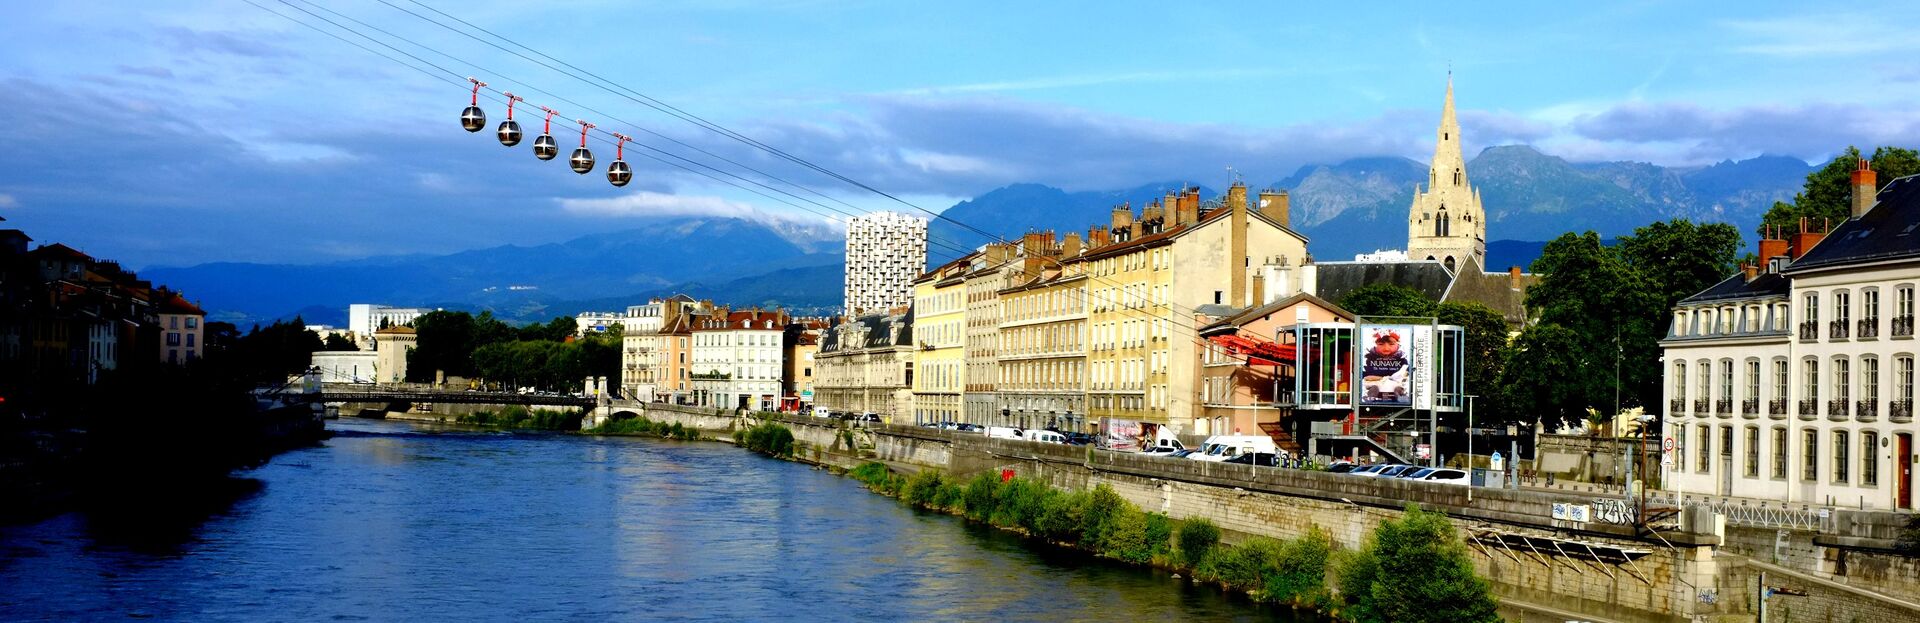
x,y
1446,241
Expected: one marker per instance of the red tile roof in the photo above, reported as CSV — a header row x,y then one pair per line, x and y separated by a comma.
x,y
179,305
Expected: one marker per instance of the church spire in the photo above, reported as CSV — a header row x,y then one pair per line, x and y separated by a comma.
x,y
1449,165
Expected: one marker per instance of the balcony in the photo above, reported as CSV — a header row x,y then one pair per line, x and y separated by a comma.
x,y
1902,326
1750,408
1837,329
1809,331
1700,405
1865,410
1723,407
1677,406
1837,409
1777,408
1809,408
1868,327
1900,411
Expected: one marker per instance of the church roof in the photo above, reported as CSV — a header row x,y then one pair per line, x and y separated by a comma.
x,y
1333,280
1496,290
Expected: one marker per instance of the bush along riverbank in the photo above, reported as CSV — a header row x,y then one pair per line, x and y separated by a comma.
x,y
767,438
1412,569
521,418
646,428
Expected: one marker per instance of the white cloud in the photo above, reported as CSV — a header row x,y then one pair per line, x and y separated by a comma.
x,y
7,201
649,204
1844,34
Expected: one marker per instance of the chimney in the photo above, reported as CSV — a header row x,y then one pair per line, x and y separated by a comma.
x,y
1865,183
1236,247
1751,271
1154,210
1122,215
1185,213
1071,246
1096,237
1259,289
1034,243
1192,197
1772,245
1513,277
1276,205
1237,194
1804,240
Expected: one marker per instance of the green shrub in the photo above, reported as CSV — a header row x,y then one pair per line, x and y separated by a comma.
x,y
1062,516
923,489
1197,537
1299,575
520,418
1354,571
1020,503
1159,536
1415,569
1126,537
767,438
978,498
870,473
1103,506
1245,566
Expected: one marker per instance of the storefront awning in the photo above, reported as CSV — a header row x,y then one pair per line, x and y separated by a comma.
x,y
1257,352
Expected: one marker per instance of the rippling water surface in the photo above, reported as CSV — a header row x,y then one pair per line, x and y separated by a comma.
x,y
392,521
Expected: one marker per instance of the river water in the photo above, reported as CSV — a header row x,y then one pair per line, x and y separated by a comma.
x,y
396,521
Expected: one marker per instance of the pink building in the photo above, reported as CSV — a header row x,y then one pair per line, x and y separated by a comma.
x,y
182,329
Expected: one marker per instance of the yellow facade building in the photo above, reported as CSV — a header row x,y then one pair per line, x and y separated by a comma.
x,y
1041,355
940,330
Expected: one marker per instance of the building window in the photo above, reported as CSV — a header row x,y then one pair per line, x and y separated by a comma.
x,y
1842,381
1903,380
1869,459
193,322
1726,381
173,338
1753,379
1810,381
1680,448
1705,450
1780,381
190,337
1840,447
1810,455
1753,452
1679,386
1780,453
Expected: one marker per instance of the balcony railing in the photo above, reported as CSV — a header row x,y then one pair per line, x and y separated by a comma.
x,y
1809,331
1837,329
1723,407
1900,411
1809,408
1677,406
1700,405
1777,408
1866,410
1837,409
1902,326
1750,407
1868,327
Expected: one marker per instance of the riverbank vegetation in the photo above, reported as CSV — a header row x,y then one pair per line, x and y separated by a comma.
x,y
1412,568
645,427
521,418
545,356
767,438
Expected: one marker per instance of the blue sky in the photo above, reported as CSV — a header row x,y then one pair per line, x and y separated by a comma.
x,y
172,132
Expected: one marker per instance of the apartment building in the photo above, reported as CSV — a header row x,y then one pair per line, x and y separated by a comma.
x,y
886,251
1042,353
736,359
183,331
364,319
1794,379
1147,274
990,271
646,362
940,328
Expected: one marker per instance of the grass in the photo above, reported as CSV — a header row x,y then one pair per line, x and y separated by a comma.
x,y
520,418
768,438
646,427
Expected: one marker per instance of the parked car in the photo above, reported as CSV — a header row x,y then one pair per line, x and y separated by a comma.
x,y
868,417
1046,436
1223,447
1179,454
1080,439
1448,476
1262,459
1341,468
1392,471
1003,432
822,412
969,428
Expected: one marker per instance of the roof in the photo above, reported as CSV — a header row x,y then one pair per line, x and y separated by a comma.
x,y
1889,230
398,329
14,233
1737,287
61,251
1495,290
1333,280
179,305
750,319
960,262
1254,313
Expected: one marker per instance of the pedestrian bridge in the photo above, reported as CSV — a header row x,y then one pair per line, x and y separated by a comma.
x,y
380,394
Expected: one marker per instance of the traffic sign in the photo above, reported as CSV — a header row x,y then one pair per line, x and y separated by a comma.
x,y
1667,444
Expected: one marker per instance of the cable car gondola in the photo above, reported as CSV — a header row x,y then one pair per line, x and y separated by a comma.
x,y
474,119
544,147
510,130
618,173
582,160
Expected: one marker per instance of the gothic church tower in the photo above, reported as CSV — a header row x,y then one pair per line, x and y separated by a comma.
x,y
1447,222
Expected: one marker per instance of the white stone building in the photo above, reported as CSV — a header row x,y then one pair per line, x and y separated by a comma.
x,y
363,319
1794,381
596,322
737,360
885,252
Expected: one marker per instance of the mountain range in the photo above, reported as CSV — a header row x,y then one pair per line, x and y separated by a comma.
x,y
1355,206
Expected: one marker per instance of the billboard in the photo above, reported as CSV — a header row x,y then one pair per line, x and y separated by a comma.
x,y
1388,365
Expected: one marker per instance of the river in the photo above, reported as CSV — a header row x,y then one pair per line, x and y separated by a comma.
x,y
397,521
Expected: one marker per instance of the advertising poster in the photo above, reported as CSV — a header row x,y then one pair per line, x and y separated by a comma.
x,y
1387,366
1123,435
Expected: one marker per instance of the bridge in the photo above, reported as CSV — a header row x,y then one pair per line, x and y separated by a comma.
x,y
384,394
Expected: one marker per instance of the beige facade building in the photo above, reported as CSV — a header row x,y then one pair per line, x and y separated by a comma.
x,y
1042,354
885,252
866,366
990,270
737,359
940,328
182,329
1794,380
1447,223
646,364
390,347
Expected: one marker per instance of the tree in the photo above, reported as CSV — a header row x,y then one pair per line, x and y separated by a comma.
x,y
1486,353
1385,299
1414,569
1828,194
1680,257
338,342
1614,312
1551,374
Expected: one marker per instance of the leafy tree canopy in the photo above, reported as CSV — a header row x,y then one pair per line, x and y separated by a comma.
x,y
1385,299
1828,195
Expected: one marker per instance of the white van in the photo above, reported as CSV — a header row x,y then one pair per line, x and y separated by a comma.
x,y
1162,446
1046,436
1222,447
1003,432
